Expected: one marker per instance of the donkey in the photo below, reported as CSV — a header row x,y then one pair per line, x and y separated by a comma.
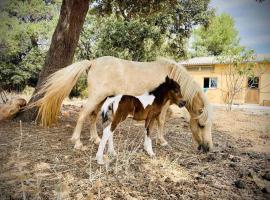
x,y
145,107
110,76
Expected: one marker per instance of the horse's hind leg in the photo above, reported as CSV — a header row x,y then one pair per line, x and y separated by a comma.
x,y
93,125
89,107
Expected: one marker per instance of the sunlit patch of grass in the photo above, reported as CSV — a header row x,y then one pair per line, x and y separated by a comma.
x,y
163,168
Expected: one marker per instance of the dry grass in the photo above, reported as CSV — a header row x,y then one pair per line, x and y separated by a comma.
x,y
38,163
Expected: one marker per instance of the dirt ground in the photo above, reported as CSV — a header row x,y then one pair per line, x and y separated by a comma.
x,y
40,163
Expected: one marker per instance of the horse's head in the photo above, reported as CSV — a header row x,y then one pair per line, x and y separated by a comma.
x,y
201,124
174,92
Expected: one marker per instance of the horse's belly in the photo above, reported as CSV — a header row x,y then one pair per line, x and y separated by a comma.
x,y
119,78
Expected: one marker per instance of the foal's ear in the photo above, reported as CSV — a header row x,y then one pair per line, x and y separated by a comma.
x,y
167,80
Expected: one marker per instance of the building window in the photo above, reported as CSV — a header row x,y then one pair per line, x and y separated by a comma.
x,y
253,82
210,82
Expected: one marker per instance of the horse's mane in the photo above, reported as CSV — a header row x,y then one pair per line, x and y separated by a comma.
x,y
189,89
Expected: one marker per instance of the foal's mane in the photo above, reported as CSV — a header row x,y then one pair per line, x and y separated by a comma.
x,y
160,91
189,89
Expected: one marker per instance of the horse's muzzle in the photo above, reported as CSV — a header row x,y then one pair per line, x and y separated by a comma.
x,y
204,148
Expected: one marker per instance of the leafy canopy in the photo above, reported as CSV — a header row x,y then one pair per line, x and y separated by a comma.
x,y
26,28
132,29
216,38
162,26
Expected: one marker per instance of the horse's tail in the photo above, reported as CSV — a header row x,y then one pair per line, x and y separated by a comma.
x,y
55,88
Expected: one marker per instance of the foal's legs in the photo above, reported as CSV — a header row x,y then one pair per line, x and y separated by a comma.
x,y
107,133
119,116
149,124
161,123
89,107
111,150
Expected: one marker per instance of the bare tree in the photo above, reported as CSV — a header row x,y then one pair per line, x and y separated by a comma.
x,y
63,44
239,66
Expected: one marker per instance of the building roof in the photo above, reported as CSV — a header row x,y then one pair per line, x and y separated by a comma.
x,y
210,60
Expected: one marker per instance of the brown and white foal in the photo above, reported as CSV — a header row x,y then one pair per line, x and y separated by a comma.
x,y
145,107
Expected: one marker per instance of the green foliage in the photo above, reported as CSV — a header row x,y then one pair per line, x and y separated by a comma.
x,y
26,27
132,39
139,30
80,89
218,37
131,29
142,30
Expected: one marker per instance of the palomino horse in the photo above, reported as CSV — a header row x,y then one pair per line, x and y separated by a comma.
x,y
145,107
110,76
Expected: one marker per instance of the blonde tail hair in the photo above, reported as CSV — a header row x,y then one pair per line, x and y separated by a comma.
x,y
54,89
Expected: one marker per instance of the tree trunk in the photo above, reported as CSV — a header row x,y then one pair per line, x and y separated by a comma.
x,y
64,42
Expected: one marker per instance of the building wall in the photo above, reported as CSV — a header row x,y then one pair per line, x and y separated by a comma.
x,y
265,85
218,95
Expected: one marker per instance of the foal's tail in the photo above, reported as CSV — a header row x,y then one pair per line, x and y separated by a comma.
x,y
104,116
55,89
108,105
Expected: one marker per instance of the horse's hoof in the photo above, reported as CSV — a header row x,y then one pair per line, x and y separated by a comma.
x,y
78,145
112,153
164,143
96,140
73,140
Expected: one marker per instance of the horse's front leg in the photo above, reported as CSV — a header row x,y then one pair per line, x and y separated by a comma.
x,y
89,107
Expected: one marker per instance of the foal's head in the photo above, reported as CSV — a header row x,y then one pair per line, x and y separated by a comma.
x,y
173,92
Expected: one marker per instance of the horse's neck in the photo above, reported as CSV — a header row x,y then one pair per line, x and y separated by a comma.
x,y
195,107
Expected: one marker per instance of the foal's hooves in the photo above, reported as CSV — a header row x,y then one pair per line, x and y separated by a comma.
x,y
152,155
100,161
112,153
